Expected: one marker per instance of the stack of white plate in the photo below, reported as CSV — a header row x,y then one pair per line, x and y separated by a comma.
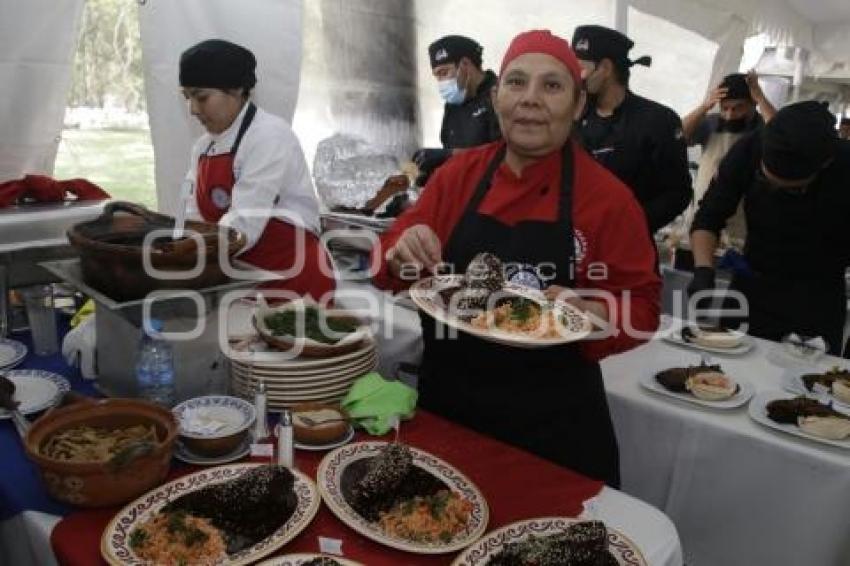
x,y
290,381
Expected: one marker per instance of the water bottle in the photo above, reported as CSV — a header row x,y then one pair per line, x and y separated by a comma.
x,y
155,366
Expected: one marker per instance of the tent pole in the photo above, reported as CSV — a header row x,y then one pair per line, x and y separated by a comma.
x,y
621,16
801,55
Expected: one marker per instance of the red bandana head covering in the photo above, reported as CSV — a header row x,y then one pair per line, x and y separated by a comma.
x,y
543,41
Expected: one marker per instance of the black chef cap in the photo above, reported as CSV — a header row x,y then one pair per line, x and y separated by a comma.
x,y
736,85
216,63
799,140
451,48
595,43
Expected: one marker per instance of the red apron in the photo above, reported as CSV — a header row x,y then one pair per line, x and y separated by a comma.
x,y
276,248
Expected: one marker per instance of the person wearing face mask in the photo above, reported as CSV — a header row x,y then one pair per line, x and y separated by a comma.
x,y
248,171
792,177
550,212
465,87
637,139
739,98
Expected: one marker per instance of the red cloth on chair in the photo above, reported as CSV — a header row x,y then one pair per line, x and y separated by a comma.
x,y
516,484
46,189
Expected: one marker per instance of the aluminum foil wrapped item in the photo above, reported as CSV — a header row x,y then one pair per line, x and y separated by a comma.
x,y
348,171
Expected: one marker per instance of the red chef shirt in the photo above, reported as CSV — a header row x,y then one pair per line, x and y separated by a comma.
x,y
613,250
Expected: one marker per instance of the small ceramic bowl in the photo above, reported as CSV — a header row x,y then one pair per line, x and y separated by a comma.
x,y
214,425
322,433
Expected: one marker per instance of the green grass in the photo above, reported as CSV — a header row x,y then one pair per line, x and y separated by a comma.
x,y
119,161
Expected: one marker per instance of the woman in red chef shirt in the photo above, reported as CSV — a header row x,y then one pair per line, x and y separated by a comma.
x,y
534,199
248,171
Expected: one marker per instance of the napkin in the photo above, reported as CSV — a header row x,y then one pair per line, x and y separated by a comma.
x,y
807,348
78,347
377,403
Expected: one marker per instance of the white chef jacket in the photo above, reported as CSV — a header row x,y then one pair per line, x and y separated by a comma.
x,y
270,174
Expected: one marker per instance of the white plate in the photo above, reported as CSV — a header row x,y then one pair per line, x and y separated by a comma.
x,y
264,356
237,413
425,293
115,541
299,559
304,374
792,381
620,546
745,391
758,412
185,455
329,475
36,390
12,353
324,375
674,336
331,445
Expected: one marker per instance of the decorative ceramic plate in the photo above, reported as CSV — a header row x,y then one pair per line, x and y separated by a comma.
x,y
260,355
182,453
115,541
674,336
621,547
792,380
329,446
12,353
306,374
329,477
214,416
328,376
745,391
35,390
758,412
300,559
572,324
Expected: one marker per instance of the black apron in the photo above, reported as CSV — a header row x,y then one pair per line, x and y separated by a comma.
x,y
549,401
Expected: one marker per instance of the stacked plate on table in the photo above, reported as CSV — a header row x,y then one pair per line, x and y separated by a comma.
x,y
12,353
292,380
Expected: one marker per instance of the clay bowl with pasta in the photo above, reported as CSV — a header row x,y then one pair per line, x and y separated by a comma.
x,y
103,452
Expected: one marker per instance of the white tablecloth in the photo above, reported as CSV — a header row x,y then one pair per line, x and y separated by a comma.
x,y
738,493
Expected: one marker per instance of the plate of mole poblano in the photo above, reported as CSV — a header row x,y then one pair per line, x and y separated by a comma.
x,y
308,329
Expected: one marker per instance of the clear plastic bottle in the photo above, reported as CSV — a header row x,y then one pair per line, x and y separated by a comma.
x,y
155,366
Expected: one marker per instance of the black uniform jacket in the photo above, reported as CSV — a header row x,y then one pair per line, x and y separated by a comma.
x,y
643,145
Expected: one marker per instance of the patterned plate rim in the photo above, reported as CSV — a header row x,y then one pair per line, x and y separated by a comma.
x,y
335,462
19,352
266,358
418,292
624,550
303,375
293,559
156,498
62,387
674,336
295,380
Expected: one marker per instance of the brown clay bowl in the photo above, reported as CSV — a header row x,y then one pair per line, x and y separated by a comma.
x,y
101,484
321,434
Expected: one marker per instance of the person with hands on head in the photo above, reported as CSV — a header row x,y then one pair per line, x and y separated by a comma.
x,y
465,87
553,216
742,108
793,178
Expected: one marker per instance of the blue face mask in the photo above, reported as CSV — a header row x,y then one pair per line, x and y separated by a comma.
x,y
450,92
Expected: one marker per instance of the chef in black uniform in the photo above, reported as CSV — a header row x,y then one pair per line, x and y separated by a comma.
x,y
465,87
794,180
639,140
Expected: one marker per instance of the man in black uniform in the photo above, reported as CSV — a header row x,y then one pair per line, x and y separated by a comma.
x,y
468,117
638,140
793,177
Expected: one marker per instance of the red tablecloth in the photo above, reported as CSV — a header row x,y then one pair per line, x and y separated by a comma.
x,y
517,486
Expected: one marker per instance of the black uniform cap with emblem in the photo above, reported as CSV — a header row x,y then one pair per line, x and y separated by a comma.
x,y
595,43
451,48
799,141
216,63
736,87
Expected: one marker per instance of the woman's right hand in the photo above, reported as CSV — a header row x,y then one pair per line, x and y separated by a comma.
x,y
418,248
